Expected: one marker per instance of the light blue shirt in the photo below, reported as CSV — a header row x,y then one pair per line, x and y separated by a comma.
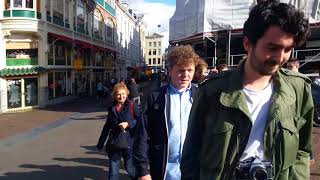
x,y
180,106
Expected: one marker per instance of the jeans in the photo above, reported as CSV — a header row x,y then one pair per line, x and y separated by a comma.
x,y
114,165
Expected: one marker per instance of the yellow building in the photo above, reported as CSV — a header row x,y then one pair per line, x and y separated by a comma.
x,y
54,50
153,51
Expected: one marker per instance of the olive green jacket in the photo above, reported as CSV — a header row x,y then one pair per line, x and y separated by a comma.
x,y
220,125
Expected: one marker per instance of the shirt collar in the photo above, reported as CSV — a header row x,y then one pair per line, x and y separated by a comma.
x,y
174,90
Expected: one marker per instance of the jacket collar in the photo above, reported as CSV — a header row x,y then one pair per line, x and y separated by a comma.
x,y
233,95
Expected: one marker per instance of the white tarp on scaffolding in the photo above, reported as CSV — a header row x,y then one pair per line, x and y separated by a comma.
x,y
197,16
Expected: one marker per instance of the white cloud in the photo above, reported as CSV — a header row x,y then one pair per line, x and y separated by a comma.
x,y
155,14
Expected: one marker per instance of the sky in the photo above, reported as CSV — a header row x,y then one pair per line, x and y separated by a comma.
x,y
156,12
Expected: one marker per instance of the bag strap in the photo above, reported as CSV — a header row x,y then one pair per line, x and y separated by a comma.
x,y
132,108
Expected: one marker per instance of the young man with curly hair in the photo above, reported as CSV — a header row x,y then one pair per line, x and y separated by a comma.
x,y
160,136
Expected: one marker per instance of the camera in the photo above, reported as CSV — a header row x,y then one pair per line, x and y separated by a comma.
x,y
254,170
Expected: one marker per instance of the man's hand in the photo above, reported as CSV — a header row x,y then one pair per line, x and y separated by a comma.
x,y
146,177
124,125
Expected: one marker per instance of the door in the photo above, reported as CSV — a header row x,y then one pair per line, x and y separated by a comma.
x,y
31,91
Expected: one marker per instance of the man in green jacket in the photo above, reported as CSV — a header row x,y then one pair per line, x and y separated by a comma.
x,y
258,113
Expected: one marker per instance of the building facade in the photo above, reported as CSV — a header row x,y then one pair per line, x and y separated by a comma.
x,y
130,32
54,50
154,54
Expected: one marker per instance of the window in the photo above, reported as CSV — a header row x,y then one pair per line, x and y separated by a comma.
x,y
159,44
110,31
97,24
154,52
57,83
57,8
149,51
159,61
80,15
154,61
66,15
98,58
17,3
29,4
7,4
150,44
159,51
154,44
149,61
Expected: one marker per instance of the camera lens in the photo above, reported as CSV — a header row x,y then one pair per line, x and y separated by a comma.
x,y
260,174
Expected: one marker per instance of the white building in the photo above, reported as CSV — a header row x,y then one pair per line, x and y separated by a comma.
x,y
154,54
54,50
130,49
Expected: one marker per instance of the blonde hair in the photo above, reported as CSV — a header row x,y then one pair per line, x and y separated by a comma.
x,y
118,87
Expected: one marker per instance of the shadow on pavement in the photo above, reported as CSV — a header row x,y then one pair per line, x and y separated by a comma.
x,y
57,172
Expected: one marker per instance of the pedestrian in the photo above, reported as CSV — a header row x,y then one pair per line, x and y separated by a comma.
x,y
134,90
122,117
100,91
293,64
165,121
222,67
201,71
255,121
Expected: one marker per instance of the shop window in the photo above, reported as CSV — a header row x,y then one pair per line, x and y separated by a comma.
x,y
51,85
60,80
57,84
98,59
14,93
60,55
31,91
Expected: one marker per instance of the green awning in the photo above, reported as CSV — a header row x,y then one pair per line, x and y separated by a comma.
x,y
21,71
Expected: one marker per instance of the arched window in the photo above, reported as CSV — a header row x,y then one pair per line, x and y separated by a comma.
x,y
109,31
97,23
80,15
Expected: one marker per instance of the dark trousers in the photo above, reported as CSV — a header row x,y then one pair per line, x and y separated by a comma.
x,y
114,164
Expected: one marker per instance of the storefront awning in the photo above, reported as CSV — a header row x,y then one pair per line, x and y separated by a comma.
x,y
82,43
21,71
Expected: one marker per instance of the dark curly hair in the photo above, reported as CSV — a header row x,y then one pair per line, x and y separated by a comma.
x,y
272,12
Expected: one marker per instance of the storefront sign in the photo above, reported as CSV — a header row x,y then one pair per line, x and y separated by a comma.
x,y
78,64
